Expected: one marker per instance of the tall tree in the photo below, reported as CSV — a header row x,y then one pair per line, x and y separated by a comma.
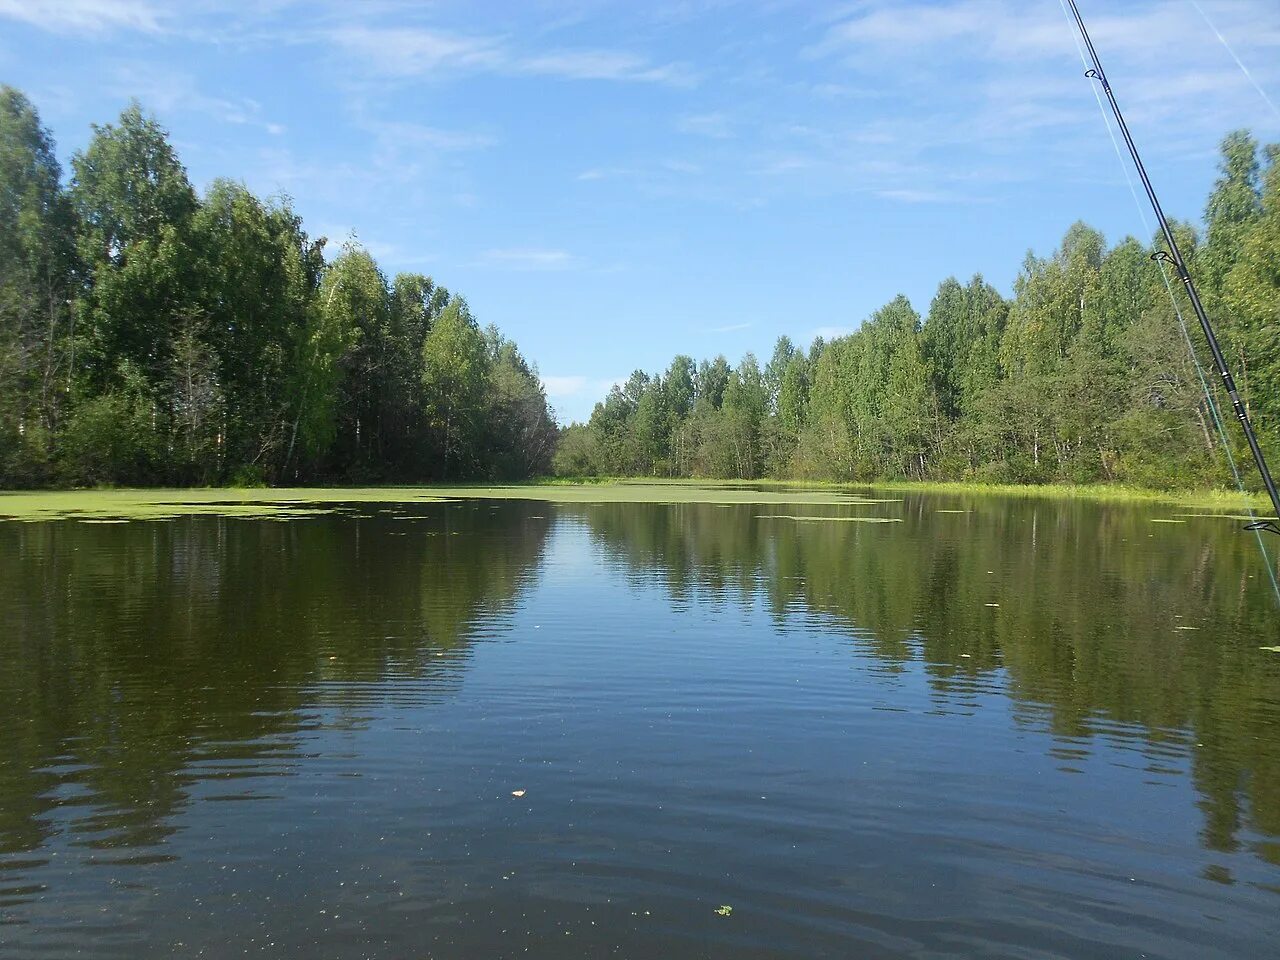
x,y
134,210
36,259
359,302
1233,207
258,272
455,374
1251,295
520,432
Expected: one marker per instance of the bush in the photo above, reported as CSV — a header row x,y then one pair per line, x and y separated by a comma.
x,y
111,439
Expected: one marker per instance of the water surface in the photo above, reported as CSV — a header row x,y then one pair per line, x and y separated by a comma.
x,y
997,728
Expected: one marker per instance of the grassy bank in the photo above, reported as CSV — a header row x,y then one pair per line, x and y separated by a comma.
x,y
1215,499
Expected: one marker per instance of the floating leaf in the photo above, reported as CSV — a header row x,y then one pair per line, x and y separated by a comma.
x,y
517,793
724,910
1270,649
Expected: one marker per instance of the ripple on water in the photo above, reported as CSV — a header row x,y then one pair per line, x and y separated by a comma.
x,y
307,738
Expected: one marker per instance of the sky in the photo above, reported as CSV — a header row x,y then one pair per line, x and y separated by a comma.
x,y
612,183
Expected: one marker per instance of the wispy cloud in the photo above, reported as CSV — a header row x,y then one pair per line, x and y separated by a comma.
x,y
983,80
170,92
419,52
342,238
1015,53
602,65
730,328
718,126
529,258
412,51
569,386
907,195
400,135
84,16
573,395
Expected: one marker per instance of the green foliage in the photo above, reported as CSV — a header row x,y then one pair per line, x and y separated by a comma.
x,y
1233,207
521,433
134,210
112,438
148,336
455,374
1084,376
1251,293
36,265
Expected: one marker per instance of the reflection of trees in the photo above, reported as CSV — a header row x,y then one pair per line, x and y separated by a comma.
x,y
1085,629
140,659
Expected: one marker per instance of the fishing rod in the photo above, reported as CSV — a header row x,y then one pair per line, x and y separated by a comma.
x,y
1173,256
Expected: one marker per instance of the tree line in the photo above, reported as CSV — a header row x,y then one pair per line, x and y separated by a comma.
x,y
150,335
1083,375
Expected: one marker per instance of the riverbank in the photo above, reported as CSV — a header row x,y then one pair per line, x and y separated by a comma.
x,y
1217,499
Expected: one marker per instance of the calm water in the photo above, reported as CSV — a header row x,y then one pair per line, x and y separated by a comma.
x,y
301,739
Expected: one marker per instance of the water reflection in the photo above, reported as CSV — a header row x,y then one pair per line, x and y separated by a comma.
x,y
964,734
1095,620
142,659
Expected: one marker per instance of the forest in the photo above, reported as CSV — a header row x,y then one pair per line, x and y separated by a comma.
x,y
1084,375
152,336
149,335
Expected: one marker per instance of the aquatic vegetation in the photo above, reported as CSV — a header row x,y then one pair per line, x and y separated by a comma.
x,y
105,505
285,503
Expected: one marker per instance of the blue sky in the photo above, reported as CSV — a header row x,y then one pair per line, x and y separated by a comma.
x,y
613,183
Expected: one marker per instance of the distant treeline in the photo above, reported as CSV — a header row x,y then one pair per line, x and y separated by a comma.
x,y
151,336
1083,376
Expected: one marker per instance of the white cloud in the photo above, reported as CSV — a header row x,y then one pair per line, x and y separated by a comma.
x,y
602,65
403,135
681,166
410,51
84,16
419,52
529,258
170,92
717,126
907,195
572,396
965,88
730,328
564,386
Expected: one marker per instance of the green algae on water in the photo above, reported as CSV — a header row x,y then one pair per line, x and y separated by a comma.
x,y
290,503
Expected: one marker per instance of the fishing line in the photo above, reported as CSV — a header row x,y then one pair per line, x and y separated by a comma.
x,y
1173,299
1234,56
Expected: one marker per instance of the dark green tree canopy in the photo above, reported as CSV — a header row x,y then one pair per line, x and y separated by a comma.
x,y
151,336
